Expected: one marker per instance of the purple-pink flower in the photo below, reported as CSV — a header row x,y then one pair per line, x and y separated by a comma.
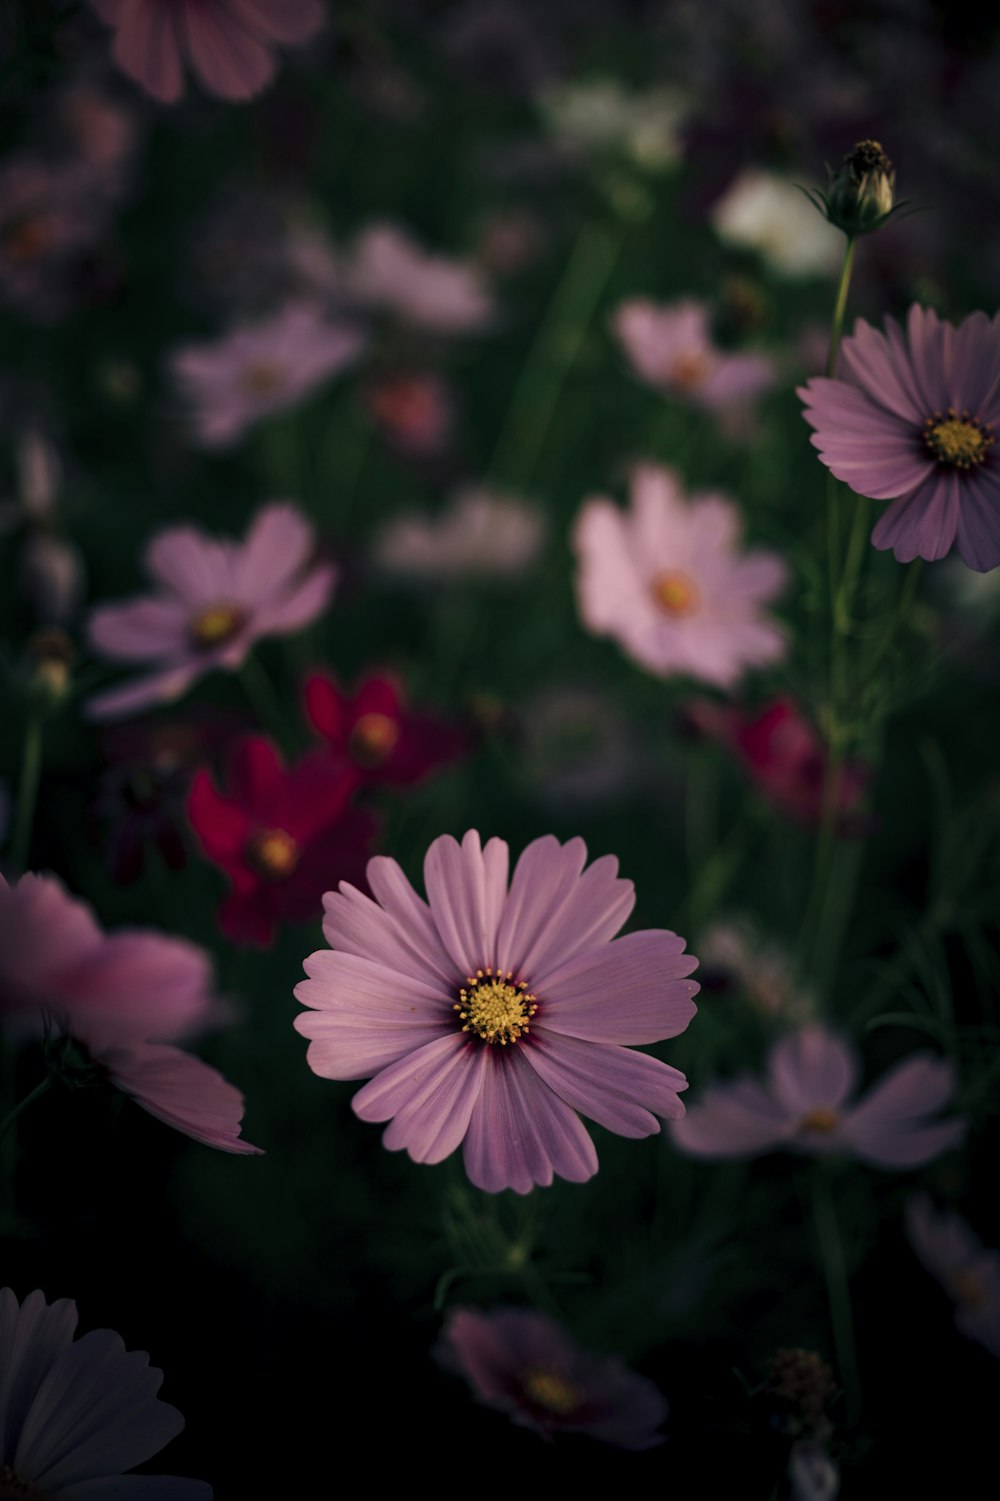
x,y
228,43
215,599
912,419
808,1104
523,1364
261,368
967,1270
125,997
77,1414
489,1016
389,271
670,582
670,347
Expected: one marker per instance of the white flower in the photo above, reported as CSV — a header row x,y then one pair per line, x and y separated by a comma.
x,y
763,212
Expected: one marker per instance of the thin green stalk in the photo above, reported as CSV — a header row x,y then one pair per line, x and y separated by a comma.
x,y
263,699
27,792
831,1250
840,307
904,604
23,1105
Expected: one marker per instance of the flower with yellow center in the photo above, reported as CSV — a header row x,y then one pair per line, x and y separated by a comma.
x,y
216,625
495,1007
960,441
675,593
546,1388
690,370
374,738
264,377
273,853
822,1119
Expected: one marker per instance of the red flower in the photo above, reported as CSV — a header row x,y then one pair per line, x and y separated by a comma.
x,y
282,835
385,742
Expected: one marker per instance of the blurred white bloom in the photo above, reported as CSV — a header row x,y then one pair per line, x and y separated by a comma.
x,y
763,212
51,567
479,535
600,115
812,1474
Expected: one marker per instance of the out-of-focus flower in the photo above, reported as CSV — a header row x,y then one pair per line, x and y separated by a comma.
x,y
600,116
764,212
479,535
374,730
76,1415
491,1017
523,1364
510,241
911,419
388,271
261,368
413,410
781,751
51,567
280,834
100,129
50,218
668,581
124,997
216,599
806,1106
812,1474
669,346
801,1384
578,748
968,1271
229,43
734,954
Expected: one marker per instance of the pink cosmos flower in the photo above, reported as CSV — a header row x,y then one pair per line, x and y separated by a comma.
x,y
215,599
491,1016
388,270
667,580
912,420
261,368
521,1363
806,1105
669,346
76,1415
229,43
124,997
966,1269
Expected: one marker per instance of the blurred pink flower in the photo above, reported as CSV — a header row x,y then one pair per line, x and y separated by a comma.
x,y
670,347
667,580
50,218
804,1106
216,598
414,411
490,1016
261,368
523,1364
124,997
480,534
389,271
912,420
228,43
75,1415
969,1272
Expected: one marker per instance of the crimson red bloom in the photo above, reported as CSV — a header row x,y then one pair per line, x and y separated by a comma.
x,y
377,734
282,835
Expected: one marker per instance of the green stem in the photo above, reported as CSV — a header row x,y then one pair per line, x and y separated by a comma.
x,y
27,792
904,604
840,306
263,699
831,1250
22,1105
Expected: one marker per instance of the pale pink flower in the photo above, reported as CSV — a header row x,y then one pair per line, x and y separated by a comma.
x,y
806,1105
479,534
389,271
261,368
669,346
668,580
124,997
215,599
76,1415
967,1270
50,218
229,43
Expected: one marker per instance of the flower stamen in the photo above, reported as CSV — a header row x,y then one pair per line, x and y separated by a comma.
x,y
264,377
546,1388
822,1119
216,625
374,738
495,1007
273,853
675,593
957,439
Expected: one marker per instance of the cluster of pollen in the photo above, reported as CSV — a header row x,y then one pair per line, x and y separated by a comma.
x,y
822,1119
373,738
675,593
494,1006
957,439
546,1388
690,371
273,853
216,625
264,377
13,1488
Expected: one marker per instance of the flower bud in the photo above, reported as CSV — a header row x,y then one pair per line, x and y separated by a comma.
x,y
860,197
50,657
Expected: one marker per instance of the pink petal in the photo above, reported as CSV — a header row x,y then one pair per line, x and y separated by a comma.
x,y
288,21
147,48
521,1133
182,1091
810,1068
930,343
977,534
412,917
620,1089
923,524
366,1017
429,1096
737,1119
553,911
890,1126
228,60
303,604
199,569
868,360
141,629
143,693
631,990
278,545
466,887
32,1337
356,925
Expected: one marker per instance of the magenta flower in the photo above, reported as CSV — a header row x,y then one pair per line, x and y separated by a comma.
x,y
261,368
965,1268
912,420
215,599
668,581
669,346
521,1363
124,997
76,1415
229,43
389,271
490,1017
805,1106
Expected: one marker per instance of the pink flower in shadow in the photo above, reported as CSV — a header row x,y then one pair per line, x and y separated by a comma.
x,y
669,346
967,1270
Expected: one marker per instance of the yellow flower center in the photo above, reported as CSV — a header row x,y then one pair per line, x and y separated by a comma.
x,y
495,1007
960,441
264,377
12,1487
273,853
676,594
967,1289
373,738
689,371
216,625
821,1119
548,1389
